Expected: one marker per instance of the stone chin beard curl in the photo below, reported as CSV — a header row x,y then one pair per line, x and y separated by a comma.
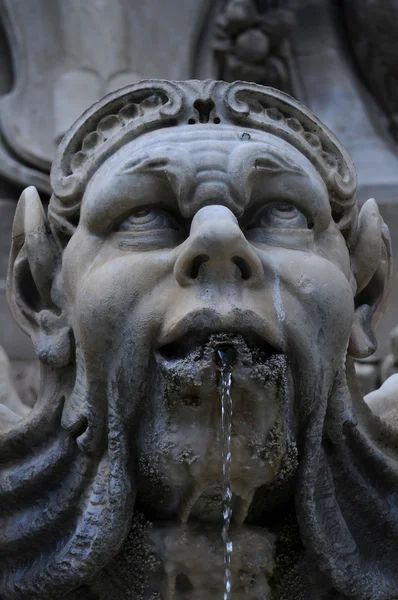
x,y
70,471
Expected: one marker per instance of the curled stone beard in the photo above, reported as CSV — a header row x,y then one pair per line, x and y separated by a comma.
x,y
337,512
85,514
79,500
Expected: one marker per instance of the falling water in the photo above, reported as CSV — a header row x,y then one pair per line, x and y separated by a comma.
x,y
226,356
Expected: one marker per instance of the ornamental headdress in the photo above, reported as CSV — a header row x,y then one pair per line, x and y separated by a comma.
x,y
122,116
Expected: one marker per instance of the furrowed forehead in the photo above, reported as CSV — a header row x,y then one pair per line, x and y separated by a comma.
x,y
197,135
188,151
201,166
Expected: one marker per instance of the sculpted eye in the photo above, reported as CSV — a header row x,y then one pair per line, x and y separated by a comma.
x,y
142,219
284,211
281,214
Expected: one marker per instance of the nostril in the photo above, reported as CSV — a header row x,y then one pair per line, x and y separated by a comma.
x,y
197,262
243,266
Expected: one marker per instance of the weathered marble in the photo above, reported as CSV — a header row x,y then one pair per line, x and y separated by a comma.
x,y
184,216
58,57
384,401
66,55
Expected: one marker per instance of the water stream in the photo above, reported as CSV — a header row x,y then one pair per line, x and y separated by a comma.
x,y
226,358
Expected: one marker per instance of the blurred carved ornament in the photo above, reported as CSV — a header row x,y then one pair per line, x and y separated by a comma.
x,y
252,43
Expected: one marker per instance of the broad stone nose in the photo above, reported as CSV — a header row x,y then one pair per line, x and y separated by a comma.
x,y
217,251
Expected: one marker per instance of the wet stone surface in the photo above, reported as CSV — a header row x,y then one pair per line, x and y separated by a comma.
x,y
180,440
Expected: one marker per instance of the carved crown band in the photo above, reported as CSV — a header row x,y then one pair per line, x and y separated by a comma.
x,y
122,116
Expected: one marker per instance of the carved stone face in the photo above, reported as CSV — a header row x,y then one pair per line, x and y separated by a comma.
x,y
234,224
200,232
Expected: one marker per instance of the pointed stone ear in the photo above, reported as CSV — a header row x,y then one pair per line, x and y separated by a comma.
x,y
31,270
371,264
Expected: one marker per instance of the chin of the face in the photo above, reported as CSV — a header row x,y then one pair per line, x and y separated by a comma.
x,y
181,435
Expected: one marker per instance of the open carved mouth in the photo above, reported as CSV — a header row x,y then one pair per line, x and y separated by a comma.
x,y
202,342
182,434
241,329
181,443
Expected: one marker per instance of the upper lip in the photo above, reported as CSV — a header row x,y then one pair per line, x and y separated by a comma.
x,y
197,326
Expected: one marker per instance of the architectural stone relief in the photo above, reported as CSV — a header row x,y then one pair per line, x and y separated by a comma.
x,y
196,296
332,87
66,55
251,42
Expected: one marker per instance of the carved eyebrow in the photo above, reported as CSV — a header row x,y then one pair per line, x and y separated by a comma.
x,y
146,177
276,164
144,164
247,162
262,157
172,166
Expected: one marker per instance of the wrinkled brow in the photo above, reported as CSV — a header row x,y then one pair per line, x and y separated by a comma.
x,y
168,164
237,166
249,162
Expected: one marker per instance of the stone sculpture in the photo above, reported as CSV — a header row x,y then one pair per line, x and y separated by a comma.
x,y
251,44
184,216
95,47
90,49
384,401
390,363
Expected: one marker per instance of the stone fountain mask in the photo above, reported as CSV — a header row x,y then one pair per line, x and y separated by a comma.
x,y
185,216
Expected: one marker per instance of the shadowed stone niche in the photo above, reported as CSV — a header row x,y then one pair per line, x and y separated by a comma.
x,y
202,242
